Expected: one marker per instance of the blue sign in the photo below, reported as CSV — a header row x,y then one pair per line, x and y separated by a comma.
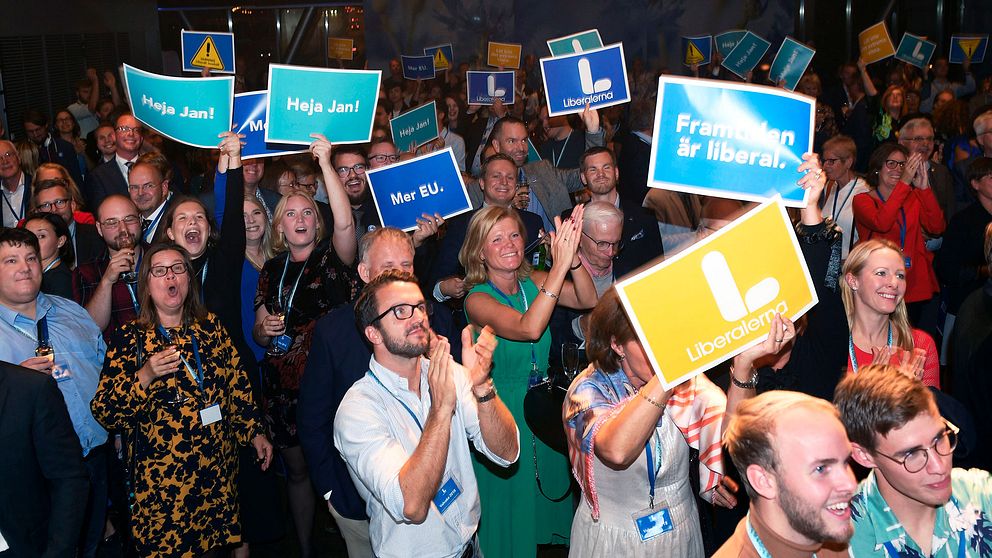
x,y
726,41
730,140
428,184
213,51
194,111
968,47
418,67
337,103
746,55
597,77
485,87
697,50
444,60
250,120
414,127
576,42
790,63
915,50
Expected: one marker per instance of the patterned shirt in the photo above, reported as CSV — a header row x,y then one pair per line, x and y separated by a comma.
x,y
85,280
962,520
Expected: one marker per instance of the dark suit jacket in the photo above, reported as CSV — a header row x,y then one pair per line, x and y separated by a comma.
x,y
62,153
88,242
640,237
634,162
43,494
102,181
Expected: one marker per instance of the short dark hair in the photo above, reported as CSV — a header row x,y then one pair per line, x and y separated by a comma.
x,y
35,117
367,304
348,150
877,400
18,237
596,151
979,169
501,123
607,322
61,229
496,157
878,158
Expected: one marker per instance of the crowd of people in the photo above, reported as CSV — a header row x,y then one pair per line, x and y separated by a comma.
x,y
167,365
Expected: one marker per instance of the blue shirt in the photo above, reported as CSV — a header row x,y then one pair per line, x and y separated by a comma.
x,y
79,352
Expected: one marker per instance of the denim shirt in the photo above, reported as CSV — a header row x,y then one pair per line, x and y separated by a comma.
x,y
79,352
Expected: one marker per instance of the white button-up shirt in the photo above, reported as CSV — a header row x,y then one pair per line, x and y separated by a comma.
x,y
376,436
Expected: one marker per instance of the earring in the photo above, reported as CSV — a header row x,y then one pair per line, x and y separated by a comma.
x,y
621,358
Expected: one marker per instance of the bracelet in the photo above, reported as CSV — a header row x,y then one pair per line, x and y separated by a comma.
x,y
489,396
750,384
649,400
576,266
549,293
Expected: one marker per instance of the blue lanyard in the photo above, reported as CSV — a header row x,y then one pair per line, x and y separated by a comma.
x,y
134,299
198,375
759,546
902,224
292,294
833,212
854,357
151,227
51,264
650,458
398,400
523,297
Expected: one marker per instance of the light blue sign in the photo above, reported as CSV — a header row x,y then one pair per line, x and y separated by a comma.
x,y
214,51
790,62
250,120
194,111
414,127
968,47
485,87
915,50
726,41
597,77
447,56
746,54
576,42
730,140
337,103
428,184
697,50
418,67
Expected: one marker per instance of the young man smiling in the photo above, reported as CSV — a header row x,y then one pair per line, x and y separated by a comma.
x,y
913,503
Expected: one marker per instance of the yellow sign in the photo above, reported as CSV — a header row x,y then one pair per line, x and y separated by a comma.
x,y
692,54
505,55
717,298
207,57
969,46
875,43
341,49
440,62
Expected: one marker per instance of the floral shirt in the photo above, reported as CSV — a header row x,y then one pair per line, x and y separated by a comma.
x,y
963,519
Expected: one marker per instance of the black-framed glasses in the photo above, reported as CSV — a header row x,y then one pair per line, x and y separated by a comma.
x,y
162,270
128,129
604,245
916,459
383,158
344,171
114,221
403,311
831,160
59,203
921,139
892,164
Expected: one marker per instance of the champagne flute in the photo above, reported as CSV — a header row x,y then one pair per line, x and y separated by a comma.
x,y
570,359
126,241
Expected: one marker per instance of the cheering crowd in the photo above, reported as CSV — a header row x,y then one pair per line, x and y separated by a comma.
x,y
177,363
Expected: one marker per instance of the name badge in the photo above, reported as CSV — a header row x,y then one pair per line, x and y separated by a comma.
x,y
652,522
447,494
909,262
210,414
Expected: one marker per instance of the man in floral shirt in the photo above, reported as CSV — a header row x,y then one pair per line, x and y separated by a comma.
x,y
913,503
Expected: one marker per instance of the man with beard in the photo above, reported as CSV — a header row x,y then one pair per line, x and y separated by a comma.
x,y
913,503
402,427
111,177
97,285
350,163
792,454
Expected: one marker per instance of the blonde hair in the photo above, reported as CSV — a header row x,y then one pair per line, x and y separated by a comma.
x,y
277,241
266,246
470,255
70,185
902,333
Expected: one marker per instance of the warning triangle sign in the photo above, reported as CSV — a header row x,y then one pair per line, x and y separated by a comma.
x,y
440,61
207,56
692,54
969,46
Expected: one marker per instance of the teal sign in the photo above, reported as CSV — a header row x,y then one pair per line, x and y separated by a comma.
x,y
194,111
415,127
791,61
577,42
337,103
726,41
915,50
746,54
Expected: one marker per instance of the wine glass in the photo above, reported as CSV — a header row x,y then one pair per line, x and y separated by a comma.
x,y
570,359
125,241
280,343
177,398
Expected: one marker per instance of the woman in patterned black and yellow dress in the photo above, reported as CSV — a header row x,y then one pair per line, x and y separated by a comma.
x,y
173,380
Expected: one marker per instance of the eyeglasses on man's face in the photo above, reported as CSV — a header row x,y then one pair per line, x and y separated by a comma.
x,y
403,311
604,245
345,171
59,203
114,222
916,459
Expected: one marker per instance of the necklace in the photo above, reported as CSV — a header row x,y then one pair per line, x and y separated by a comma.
x,y
255,261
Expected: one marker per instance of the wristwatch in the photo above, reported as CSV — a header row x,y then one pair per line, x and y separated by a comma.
x,y
489,396
752,383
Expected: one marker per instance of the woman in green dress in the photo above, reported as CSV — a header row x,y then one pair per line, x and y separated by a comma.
x,y
517,303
